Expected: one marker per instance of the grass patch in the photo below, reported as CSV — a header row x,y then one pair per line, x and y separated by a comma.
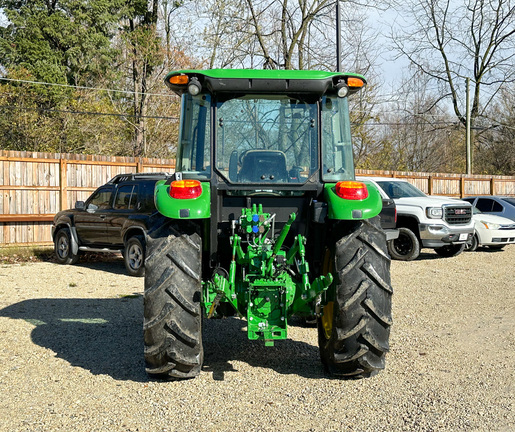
x,y
22,254
26,254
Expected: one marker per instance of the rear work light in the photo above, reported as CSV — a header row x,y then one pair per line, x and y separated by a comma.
x,y
185,189
351,190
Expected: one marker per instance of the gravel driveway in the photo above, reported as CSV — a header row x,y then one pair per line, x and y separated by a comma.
x,y
71,358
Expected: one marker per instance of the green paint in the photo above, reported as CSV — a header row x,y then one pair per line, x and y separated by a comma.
x,y
265,293
197,208
343,209
263,74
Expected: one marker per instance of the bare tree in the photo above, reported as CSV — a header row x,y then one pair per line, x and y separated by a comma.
x,y
414,133
144,54
496,144
450,41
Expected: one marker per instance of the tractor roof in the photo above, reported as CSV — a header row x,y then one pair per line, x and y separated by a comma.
x,y
253,81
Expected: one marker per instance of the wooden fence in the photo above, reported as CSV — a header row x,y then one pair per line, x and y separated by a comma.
x,y
452,185
35,186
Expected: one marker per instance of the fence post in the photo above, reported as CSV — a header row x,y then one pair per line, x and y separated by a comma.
x,y
139,165
462,186
430,185
63,183
492,186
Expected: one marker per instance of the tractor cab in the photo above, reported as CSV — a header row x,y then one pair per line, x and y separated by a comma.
x,y
251,129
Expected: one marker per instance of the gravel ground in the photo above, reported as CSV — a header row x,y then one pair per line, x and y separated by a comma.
x,y
71,358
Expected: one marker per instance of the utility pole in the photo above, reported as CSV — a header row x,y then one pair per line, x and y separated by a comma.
x,y
467,131
338,38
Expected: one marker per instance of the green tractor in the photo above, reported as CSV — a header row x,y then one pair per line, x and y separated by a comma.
x,y
263,219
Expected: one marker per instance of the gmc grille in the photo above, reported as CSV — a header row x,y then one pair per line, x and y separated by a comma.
x,y
457,215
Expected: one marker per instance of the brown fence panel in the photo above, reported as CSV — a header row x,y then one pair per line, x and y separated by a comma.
x,y
35,186
453,185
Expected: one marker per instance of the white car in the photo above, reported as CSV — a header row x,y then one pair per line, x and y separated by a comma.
x,y
492,231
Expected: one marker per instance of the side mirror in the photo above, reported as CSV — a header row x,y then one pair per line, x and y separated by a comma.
x,y
79,205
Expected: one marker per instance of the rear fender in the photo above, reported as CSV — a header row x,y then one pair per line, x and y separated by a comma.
x,y
196,208
345,209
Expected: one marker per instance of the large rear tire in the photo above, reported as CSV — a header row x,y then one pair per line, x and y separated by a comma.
x,y
354,329
172,310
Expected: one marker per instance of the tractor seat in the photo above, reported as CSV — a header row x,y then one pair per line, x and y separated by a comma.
x,y
263,166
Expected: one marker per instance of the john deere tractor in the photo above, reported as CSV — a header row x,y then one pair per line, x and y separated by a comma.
x,y
263,219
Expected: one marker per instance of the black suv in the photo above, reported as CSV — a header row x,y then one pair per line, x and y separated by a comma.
x,y
115,218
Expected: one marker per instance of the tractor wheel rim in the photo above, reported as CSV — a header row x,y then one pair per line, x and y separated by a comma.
x,y
328,309
327,319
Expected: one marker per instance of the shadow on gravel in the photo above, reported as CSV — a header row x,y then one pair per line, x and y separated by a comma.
x,y
225,340
111,266
105,336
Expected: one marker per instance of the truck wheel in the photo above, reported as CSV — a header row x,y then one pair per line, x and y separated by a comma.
x,y
472,244
354,329
63,247
172,313
450,250
134,256
406,247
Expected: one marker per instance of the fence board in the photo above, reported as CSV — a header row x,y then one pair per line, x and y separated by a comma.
x,y
35,186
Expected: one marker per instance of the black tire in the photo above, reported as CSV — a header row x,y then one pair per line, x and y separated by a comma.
x,y
472,244
406,247
134,256
63,247
172,310
354,329
449,251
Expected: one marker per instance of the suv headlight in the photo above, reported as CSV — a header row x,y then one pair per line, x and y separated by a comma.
x,y
434,212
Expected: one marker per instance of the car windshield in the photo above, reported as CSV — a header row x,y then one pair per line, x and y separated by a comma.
x,y
509,200
266,139
400,189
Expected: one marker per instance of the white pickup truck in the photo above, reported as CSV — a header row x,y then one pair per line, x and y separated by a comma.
x,y
441,223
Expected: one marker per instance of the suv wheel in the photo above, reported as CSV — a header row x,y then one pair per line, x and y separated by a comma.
x,y
63,247
134,256
406,247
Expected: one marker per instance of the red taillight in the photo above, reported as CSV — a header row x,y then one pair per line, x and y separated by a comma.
x,y
351,190
185,189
